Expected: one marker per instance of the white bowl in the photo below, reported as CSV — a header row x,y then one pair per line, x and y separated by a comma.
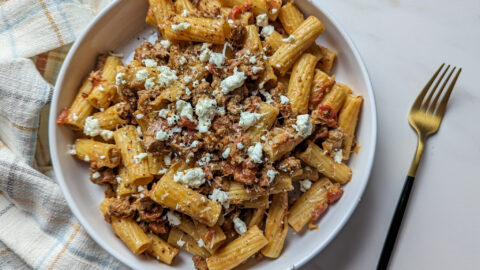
x,y
117,28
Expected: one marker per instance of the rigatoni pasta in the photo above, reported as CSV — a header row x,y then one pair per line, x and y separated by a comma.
x,y
204,140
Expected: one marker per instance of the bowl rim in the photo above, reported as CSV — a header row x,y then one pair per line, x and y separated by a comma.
x,y
93,233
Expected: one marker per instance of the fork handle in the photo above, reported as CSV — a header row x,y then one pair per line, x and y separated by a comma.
x,y
395,225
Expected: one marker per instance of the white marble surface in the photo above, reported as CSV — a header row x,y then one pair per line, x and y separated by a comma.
x,y
402,43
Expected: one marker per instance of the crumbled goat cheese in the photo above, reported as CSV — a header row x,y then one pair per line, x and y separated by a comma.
x,y
165,43
338,156
271,175
205,54
172,119
163,113
255,152
187,79
262,19
71,149
173,218
230,21
184,109
232,82
267,31
205,159
256,70
139,157
180,27
86,158
183,60
274,11
248,119
75,117
284,100
185,13
240,145
240,226
149,83
163,171
304,125
191,177
200,243
194,144
162,135
252,60
166,76
140,188
226,153
106,134
142,195
289,39
305,185
96,175
220,196
217,59
119,179
141,75
180,242
139,116
120,79
167,159
149,62
91,127
139,131
205,110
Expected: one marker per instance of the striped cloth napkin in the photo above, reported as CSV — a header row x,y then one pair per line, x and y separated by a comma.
x,y
37,229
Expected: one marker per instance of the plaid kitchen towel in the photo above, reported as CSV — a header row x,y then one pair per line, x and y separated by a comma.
x,y
37,229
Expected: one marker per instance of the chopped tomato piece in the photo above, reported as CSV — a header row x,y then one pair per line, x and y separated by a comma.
x,y
62,116
238,10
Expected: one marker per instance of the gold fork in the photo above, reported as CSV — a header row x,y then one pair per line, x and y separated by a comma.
x,y
425,117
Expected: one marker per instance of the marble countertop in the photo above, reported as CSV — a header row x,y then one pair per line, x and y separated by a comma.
x,y
403,42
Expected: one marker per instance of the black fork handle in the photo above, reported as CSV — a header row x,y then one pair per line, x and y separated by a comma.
x,y
395,225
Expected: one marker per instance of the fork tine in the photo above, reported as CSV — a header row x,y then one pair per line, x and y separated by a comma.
x,y
443,104
422,94
426,103
433,105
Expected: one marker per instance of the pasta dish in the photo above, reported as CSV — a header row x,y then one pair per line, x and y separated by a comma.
x,y
221,135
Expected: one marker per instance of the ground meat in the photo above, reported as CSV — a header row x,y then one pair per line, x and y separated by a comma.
x,y
264,178
242,62
145,97
199,263
319,91
251,104
150,142
158,226
239,10
221,125
334,141
233,105
185,122
245,173
109,191
324,115
101,176
129,96
289,164
148,210
120,208
320,133
96,77
237,35
154,51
